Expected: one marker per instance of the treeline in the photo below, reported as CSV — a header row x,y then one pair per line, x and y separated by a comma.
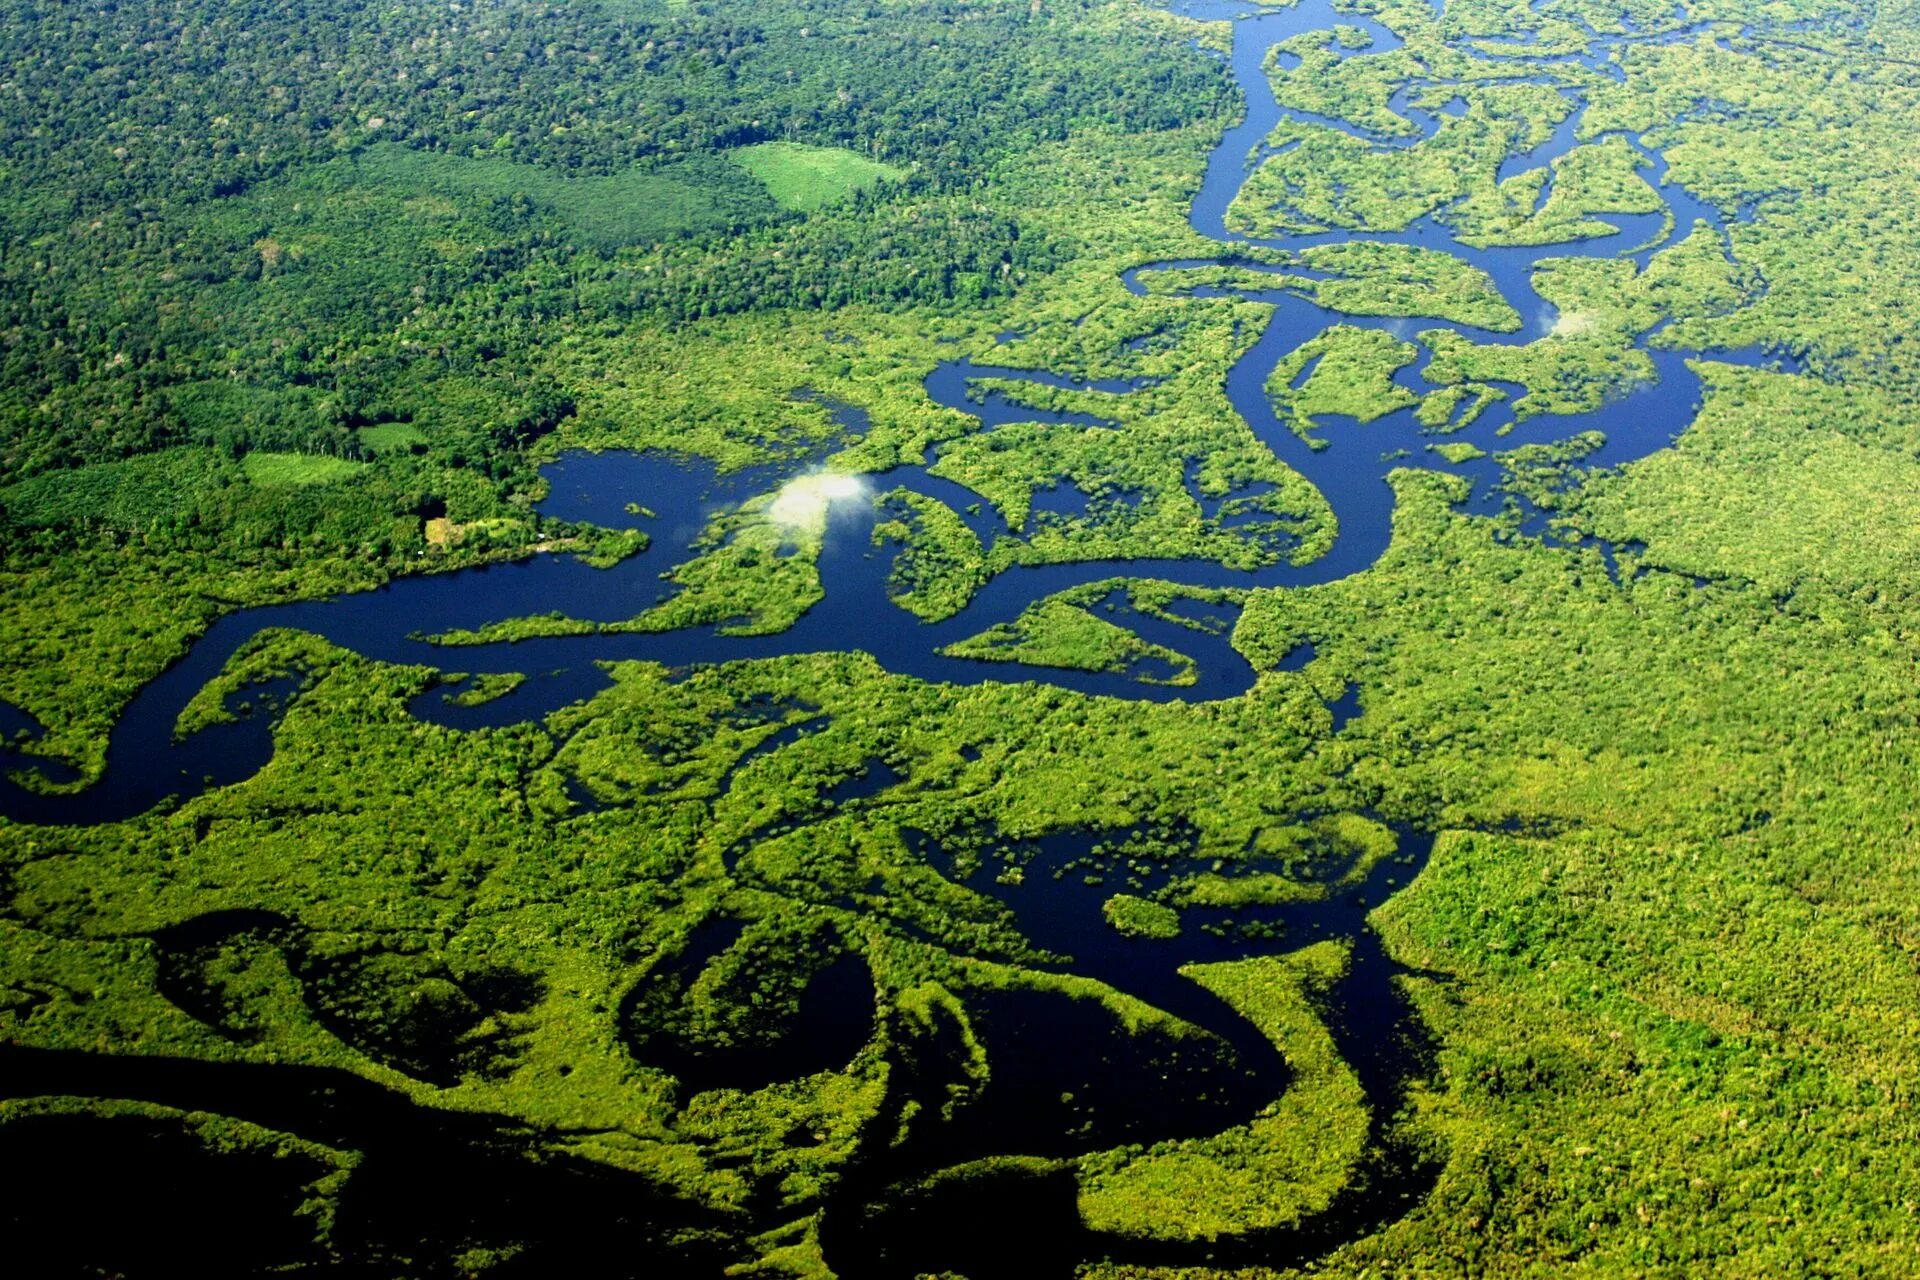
x,y
220,194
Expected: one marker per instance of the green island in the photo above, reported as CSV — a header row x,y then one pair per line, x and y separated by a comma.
x,y
1074,639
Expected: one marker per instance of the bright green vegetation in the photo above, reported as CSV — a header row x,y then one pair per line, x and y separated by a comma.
x,y
1274,1171
1367,278
803,178
1599,177
1055,633
744,583
1344,371
1332,179
390,435
1075,630
272,654
1377,278
1305,853
485,688
261,348
1456,407
132,495
1458,452
1574,373
1141,918
295,469
941,564
1585,361
1751,465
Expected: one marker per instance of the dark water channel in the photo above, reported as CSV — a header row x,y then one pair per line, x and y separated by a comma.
x,y
1066,1081
431,1184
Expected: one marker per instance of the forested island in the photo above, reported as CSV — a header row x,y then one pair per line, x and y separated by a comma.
x,y
1099,639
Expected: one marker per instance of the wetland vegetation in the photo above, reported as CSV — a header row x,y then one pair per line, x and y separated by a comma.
x,y
1052,639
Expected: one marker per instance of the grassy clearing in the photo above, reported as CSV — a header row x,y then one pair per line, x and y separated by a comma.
x,y
803,178
293,470
391,435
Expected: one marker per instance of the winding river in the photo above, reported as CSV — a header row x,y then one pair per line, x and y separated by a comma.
x,y
1349,467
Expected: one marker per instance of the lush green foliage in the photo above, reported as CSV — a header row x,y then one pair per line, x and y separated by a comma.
x,y
298,299
1055,633
803,178
1306,1145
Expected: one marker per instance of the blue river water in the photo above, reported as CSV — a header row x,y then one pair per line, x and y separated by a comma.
x,y
146,764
